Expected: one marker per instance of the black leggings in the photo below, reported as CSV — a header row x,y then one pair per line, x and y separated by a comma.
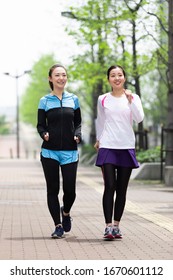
x,y
115,180
51,171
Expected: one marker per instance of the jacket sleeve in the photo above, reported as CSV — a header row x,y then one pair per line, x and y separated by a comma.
x,y
137,109
77,120
100,120
41,120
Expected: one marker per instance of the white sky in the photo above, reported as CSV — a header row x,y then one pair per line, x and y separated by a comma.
x,y
29,29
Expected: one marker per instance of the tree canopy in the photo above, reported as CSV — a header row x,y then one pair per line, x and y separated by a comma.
x,y
130,33
38,87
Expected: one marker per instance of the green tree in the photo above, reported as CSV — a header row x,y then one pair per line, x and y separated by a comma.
x,y
4,127
165,54
137,63
90,67
37,87
169,122
111,32
159,75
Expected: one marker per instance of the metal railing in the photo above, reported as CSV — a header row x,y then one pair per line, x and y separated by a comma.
x,y
164,149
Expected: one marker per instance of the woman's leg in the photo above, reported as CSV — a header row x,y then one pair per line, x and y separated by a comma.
x,y
123,176
51,172
108,171
69,172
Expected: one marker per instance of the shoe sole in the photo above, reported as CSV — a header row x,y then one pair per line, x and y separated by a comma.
x,y
109,237
118,237
57,237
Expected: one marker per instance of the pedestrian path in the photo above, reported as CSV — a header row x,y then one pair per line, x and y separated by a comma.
x,y
26,226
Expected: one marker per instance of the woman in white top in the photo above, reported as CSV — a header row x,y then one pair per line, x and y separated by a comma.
x,y
116,111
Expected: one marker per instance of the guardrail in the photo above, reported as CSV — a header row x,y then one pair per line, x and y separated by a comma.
x,y
164,149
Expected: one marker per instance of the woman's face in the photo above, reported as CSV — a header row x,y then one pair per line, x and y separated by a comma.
x,y
58,78
116,78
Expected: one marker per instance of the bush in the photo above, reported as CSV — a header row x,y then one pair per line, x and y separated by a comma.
x,y
150,155
88,149
4,127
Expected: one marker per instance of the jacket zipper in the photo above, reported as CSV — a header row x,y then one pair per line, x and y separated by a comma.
x,y
61,132
61,123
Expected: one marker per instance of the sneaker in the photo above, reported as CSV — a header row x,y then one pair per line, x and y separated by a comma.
x,y
108,233
116,232
66,221
58,233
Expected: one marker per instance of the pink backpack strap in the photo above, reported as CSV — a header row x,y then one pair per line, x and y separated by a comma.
x,y
103,100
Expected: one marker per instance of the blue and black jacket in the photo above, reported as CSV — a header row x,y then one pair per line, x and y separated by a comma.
x,y
62,119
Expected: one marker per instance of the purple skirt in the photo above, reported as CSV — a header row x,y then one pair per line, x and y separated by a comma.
x,y
118,157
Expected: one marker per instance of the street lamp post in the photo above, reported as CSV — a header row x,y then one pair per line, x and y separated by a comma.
x,y
17,109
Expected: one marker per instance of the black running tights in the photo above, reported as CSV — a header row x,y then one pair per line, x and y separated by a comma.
x,y
51,170
115,180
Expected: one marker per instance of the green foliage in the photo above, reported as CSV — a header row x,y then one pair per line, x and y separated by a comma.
x,y
150,155
104,32
4,127
88,150
105,29
37,88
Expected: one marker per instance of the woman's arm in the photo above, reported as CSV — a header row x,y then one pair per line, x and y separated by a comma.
x,y
136,108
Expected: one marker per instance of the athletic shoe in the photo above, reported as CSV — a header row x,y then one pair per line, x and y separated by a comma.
x,y
58,233
108,233
66,221
116,232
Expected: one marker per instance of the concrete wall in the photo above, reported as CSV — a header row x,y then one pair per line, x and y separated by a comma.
x,y
152,171
148,171
169,176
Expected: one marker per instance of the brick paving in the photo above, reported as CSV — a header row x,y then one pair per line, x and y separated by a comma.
x,y
26,225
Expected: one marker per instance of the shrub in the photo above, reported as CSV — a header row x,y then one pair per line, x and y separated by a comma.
x,y
150,155
88,149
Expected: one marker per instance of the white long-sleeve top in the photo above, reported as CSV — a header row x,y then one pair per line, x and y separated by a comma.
x,y
114,123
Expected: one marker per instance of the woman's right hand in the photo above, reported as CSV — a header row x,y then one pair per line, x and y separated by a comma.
x,y
46,136
96,145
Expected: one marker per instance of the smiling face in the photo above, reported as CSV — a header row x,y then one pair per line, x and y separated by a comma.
x,y
116,78
58,77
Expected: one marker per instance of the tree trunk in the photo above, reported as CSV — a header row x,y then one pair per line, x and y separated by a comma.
x,y
97,91
169,138
137,83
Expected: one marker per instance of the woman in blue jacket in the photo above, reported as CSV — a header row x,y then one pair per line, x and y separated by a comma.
x,y
59,125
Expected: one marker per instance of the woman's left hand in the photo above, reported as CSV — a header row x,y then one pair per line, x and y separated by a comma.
x,y
96,145
76,139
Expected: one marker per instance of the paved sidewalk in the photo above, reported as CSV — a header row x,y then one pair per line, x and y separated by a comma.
x,y
26,226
